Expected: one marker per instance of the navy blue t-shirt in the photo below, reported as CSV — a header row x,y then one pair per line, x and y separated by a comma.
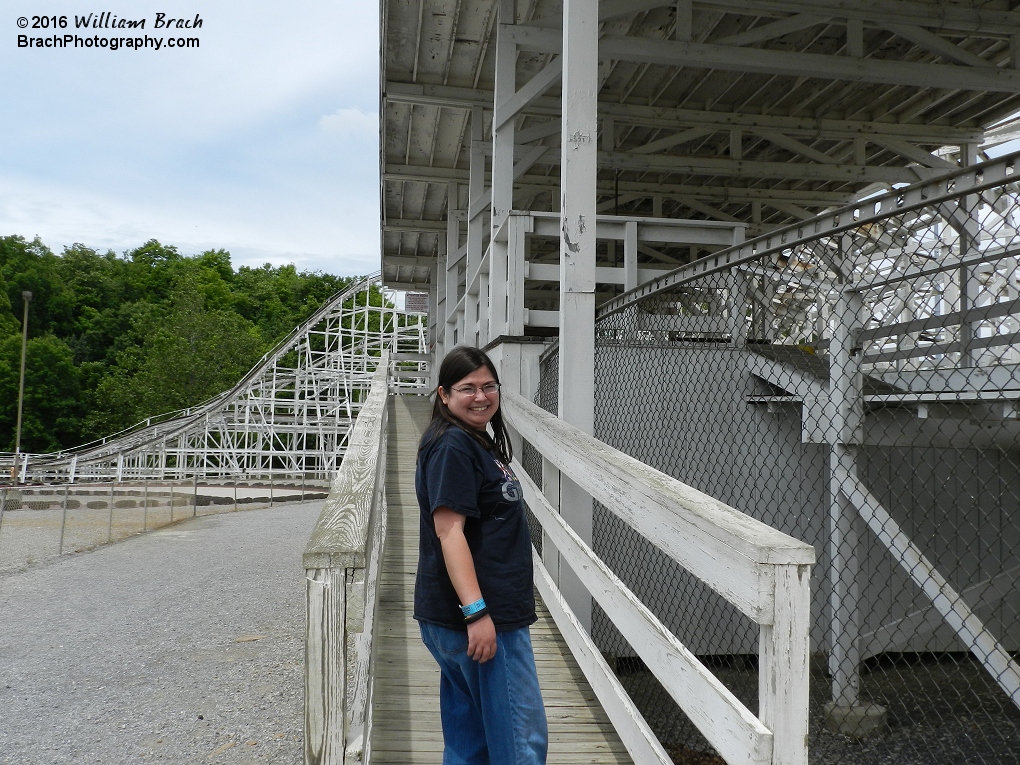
x,y
455,471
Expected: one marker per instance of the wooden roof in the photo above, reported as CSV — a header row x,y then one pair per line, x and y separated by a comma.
x,y
760,111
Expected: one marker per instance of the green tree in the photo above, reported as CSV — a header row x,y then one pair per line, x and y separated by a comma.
x,y
186,357
118,339
53,403
32,266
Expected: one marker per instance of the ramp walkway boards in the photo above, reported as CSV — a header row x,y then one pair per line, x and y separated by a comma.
x,y
406,726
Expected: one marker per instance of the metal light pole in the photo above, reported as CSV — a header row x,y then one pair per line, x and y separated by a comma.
x,y
27,296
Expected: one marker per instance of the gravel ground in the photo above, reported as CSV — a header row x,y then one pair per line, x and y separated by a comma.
x,y
183,645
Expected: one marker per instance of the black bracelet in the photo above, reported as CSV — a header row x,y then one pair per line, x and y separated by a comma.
x,y
476,615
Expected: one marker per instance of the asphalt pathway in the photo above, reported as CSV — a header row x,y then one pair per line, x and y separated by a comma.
x,y
183,645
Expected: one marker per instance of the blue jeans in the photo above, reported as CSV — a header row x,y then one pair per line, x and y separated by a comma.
x,y
492,713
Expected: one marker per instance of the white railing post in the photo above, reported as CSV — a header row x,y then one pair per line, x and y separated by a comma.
x,y
783,666
342,563
578,170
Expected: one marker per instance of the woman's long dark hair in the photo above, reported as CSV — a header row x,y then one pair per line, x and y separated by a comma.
x,y
458,364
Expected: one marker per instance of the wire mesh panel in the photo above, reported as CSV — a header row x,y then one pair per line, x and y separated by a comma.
x,y
854,386
856,389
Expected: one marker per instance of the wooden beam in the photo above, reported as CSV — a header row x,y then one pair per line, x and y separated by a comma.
x,y
536,86
959,18
775,29
775,62
670,118
661,163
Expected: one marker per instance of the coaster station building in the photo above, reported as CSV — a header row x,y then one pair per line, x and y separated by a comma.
x,y
769,248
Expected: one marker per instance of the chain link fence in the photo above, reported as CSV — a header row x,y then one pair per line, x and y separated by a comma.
x,y
39,522
856,388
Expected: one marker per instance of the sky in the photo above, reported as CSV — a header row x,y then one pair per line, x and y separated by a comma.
x,y
262,141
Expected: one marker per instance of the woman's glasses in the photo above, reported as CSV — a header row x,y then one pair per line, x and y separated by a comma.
x,y
470,390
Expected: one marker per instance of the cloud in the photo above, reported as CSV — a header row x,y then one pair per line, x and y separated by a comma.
x,y
350,122
223,146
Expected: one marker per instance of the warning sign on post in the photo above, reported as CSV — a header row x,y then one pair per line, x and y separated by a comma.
x,y
416,302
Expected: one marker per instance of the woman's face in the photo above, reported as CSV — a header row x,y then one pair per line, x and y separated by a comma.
x,y
476,409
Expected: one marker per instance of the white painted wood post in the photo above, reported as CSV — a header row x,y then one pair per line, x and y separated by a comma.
x,y
783,666
519,226
968,285
440,325
846,408
502,169
630,252
844,597
481,313
432,326
578,172
452,259
325,666
475,233
737,309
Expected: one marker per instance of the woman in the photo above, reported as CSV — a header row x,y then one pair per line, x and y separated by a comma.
x,y
473,595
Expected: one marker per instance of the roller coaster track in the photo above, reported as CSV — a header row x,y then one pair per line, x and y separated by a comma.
x,y
288,417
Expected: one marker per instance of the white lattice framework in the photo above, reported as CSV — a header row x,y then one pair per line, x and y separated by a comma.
x,y
937,267
289,417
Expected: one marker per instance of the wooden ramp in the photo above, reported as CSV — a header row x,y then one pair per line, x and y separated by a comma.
x,y
406,727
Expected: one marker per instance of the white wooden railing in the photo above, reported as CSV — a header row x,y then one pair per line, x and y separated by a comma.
x,y
761,571
341,571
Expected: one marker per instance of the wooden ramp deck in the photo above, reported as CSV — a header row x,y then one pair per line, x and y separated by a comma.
x,y
406,727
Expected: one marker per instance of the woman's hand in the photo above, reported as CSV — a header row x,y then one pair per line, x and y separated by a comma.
x,y
481,639
461,567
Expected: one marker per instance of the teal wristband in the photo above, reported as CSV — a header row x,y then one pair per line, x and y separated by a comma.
x,y
474,608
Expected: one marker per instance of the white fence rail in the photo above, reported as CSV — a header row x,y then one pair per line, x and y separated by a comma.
x,y
761,571
342,570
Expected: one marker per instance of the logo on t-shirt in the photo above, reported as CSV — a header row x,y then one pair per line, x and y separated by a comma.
x,y
511,488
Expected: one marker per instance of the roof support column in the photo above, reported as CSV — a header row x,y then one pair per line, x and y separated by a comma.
x,y
454,256
846,712
968,244
502,168
630,252
448,273
476,222
577,261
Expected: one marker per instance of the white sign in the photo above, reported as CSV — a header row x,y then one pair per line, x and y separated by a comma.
x,y
416,302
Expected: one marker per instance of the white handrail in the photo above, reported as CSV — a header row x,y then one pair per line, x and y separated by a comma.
x,y
760,570
342,571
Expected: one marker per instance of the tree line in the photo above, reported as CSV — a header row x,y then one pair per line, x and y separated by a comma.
x,y
114,339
